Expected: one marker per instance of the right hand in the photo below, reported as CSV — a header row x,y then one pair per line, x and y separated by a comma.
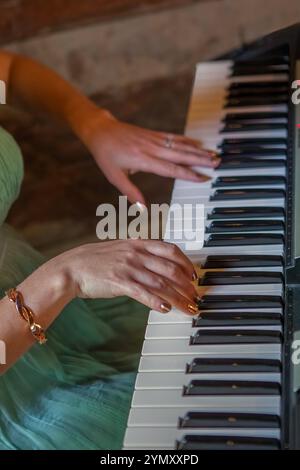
x,y
154,273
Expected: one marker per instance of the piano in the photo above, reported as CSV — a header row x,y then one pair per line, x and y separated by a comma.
x,y
225,378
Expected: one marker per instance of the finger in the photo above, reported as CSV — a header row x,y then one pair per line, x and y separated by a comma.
x,y
183,157
161,287
175,299
192,145
172,170
170,271
138,292
182,142
120,180
170,252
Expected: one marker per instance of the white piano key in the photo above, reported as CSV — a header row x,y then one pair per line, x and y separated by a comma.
x,y
177,317
258,269
208,189
243,289
176,380
197,111
178,363
277,202
185,331
213,134
181,346
238,249
172,398
155,417
186,234
165,437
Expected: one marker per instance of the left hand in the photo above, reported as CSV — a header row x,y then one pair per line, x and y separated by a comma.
x,y
119,149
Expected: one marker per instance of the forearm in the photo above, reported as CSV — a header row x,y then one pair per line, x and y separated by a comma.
x,y
46,291
43,89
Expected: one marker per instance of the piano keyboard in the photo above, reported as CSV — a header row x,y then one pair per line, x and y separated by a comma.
x,y
214,381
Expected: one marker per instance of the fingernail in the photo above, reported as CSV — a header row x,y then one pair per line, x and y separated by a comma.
x,y
192,308
141,206
194,276
165,307
216,161
212,153
203,178
197,299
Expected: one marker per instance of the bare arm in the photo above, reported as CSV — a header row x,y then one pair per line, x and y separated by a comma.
x,y
46,291
117,147
43,89
154,273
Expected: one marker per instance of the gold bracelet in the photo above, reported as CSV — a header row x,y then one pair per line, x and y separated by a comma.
x,y
27,314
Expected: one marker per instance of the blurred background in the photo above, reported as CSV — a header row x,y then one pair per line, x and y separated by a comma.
x,y
133,57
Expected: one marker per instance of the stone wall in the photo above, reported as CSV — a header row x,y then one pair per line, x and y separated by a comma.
x,y
113,54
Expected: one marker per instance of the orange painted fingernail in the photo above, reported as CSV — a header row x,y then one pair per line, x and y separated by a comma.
x,y
212,153
192,308
194,276
205,178
165,307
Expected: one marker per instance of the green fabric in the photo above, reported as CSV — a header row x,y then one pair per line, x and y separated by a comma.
x,y
75,391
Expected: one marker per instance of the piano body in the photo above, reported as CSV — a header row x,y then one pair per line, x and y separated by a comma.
x,y
225,378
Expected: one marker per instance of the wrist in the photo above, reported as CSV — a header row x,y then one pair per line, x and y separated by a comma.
x,y
83,116
48,290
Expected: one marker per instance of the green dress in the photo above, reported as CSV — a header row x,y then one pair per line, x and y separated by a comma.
x,y
75,391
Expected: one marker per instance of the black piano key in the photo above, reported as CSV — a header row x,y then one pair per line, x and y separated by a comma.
x,y
256,101
239,127
235,337
242,261
224,302
254,152
269,141
244,163
203,419
240,194
223,278
240,181
241,70
240,318
245,212
232,365
257,91
254,116
197,442
231,387
251,225
242,239
270,59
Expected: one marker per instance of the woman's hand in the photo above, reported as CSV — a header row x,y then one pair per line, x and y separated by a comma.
x,y
119,148
154,273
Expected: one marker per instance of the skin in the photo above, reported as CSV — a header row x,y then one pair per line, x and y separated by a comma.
x,y
154,273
